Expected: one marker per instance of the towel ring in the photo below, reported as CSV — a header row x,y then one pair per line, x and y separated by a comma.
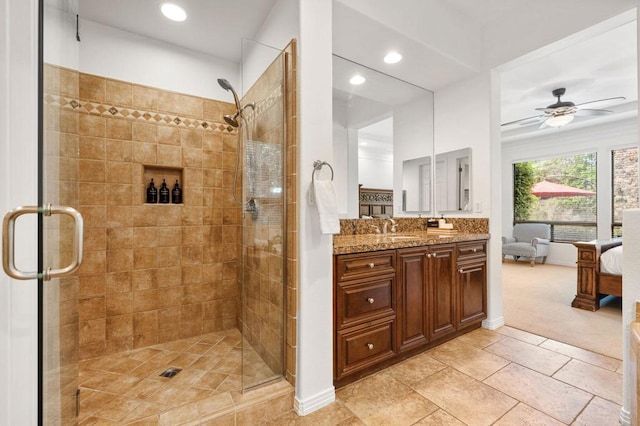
x,y
317,165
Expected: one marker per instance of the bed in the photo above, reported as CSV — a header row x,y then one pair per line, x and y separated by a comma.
x,y
376,202
599,272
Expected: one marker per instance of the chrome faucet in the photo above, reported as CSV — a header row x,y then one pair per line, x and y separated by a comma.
x,y
386,224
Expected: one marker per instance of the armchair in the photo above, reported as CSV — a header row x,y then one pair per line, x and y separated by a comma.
x,y
529,240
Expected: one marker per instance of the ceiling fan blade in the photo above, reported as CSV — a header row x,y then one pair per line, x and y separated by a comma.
x,y
586,111
621,98
544,125
545,109
525,121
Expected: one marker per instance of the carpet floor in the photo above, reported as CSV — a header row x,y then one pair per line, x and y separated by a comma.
x,y
538,300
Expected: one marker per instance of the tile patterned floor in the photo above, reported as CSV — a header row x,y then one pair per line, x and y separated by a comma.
x,y
126,388
501,377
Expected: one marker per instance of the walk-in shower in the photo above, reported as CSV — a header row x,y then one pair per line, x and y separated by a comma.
x,y
191,291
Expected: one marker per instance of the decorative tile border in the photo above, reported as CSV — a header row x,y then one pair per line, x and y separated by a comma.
x,y
107,110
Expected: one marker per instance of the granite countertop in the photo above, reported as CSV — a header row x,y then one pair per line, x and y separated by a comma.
x,y
346,244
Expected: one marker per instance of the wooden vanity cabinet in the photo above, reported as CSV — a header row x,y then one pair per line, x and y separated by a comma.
x,y
426,295
364,311
471,282
391,304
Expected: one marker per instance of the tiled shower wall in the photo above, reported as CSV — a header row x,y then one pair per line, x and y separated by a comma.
x,y
151,273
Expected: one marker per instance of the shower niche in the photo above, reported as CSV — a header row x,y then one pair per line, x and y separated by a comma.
x,y
171,175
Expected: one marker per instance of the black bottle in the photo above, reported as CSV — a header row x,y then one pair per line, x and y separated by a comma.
x,y
176,194
163,193
152,193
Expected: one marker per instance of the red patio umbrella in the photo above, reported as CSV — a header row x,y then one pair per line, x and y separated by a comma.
x,y
546,189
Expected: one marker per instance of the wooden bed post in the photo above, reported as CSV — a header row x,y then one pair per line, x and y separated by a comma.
x,y
587,296
592,283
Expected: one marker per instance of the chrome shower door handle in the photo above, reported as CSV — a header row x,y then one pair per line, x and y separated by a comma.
x,y
8,242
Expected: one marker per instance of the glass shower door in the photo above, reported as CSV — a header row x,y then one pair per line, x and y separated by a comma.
x,y
263,217
59,187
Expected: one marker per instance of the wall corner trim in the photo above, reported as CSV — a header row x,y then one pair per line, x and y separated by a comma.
x,y
493,324
322,399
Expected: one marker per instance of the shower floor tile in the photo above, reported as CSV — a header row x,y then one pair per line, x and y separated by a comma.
x,y
127,387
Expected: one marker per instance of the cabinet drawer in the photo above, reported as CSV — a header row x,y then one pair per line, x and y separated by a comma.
x,y
471,249
364,301
364,347
352,266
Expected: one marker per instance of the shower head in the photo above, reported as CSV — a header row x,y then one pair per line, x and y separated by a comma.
x,y
232,120
228,87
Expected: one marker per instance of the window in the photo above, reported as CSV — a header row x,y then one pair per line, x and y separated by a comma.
x,y
624,185
559,191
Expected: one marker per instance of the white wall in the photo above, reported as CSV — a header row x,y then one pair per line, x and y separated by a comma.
x,y
568,141
18,170
341,156
314,386
375,166
463,120
413,137
630,295
121,55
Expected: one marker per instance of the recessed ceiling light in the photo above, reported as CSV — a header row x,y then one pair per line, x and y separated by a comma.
x,y
173,12
357,79
392,57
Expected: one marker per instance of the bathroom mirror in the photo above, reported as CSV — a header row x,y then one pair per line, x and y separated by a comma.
x,y
453,181
416,185
377,125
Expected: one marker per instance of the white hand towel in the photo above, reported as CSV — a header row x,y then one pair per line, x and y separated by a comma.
x,y
327,203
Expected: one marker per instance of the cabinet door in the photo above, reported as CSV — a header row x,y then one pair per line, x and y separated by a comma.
x,y
472,288
412,312
443,290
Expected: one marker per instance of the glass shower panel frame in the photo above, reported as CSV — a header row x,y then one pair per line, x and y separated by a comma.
x,y
58,185
262,273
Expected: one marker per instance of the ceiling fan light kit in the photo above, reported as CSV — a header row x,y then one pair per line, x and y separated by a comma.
x,y
561,112
559,120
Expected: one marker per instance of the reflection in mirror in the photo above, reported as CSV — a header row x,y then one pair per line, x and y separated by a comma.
x,y
416,185
377,125
453,181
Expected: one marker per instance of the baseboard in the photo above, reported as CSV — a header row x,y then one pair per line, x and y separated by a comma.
x,y
625,417
493,324
315,403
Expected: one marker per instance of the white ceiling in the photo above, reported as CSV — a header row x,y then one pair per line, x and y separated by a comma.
x,y
213,27
602,67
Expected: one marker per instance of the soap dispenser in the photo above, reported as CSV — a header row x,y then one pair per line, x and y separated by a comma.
x,y
163,193
176,193
152,193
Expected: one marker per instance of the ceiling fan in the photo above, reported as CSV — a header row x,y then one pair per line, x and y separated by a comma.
x,y
562,112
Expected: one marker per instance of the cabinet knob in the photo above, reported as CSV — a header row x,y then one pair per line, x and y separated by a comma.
x,y
372,265
461,271
370,300
475,250
370,346
434,255
428,254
